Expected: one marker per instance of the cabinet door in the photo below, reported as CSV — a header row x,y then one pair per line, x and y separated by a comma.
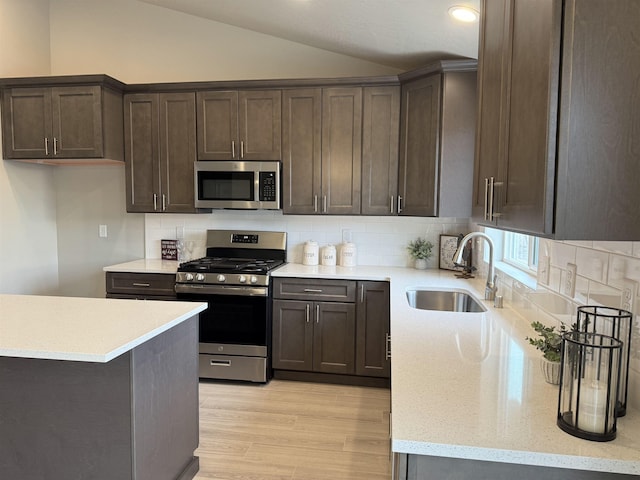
x,y
260,124
372,330
26,123
525,197
334,337
419,149
492,58
599,138
380,130
177,151
142,164
77,122
292,335
341,150
218,125
301,150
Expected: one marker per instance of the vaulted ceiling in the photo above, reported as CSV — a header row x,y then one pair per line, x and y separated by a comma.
x,y
399,33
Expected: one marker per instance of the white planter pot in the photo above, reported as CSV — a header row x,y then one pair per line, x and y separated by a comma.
x,y
421,263
551,371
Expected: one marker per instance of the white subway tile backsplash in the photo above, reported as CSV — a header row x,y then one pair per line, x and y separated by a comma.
x,y
379,240
561,254
592,264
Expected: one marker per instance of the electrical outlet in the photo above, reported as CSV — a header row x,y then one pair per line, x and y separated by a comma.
x,y
629,290
544,265
102,231
570,280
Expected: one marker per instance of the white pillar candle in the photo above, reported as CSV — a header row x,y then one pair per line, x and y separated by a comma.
x,y
592,410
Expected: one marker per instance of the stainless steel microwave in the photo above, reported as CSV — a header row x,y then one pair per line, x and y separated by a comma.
x,y
238,185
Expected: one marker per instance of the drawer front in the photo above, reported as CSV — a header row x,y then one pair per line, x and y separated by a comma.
x,y
314,289
141,283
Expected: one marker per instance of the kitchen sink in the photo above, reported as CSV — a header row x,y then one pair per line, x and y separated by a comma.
x,y
443,300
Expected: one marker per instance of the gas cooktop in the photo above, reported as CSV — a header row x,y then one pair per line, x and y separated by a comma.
x,y
226,265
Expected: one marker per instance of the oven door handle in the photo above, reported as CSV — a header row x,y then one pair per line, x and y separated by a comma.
x,y
222,290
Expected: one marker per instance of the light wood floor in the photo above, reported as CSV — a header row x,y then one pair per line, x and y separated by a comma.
x,y
293,431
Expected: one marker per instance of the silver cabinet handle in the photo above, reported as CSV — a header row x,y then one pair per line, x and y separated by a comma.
x,y
164,202
391,205
318,313
55,146
494,214
141,284
46,146
308,310
399,203
387,354
324,204
491,184
155,201
313,290
315,203
486,198
362,293
220,363
242,149
233,149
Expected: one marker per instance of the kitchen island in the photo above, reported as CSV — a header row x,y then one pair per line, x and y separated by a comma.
x,y
98,388
468,395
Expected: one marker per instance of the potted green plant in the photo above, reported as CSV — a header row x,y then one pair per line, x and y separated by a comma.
x,y
550,344
420,251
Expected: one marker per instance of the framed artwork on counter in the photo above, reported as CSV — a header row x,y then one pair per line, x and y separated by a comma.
x,y
448,247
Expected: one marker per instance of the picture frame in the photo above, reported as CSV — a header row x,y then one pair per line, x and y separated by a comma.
x,y
448,247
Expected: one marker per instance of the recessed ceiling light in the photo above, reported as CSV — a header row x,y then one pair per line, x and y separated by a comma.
x,y
464,14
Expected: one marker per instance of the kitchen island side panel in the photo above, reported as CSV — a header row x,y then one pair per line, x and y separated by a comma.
x,y
165,404
64,419
135,417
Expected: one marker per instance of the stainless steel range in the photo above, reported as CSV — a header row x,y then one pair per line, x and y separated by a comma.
x,y
234,278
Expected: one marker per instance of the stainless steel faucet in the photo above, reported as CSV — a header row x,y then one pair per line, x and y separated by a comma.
x,y
491,287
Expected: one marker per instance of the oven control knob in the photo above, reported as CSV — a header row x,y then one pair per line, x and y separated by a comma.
x,y
242,279
189,277
253,279
200,277
221,278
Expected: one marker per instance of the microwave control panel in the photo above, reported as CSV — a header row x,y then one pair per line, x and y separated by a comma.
x,y
268,186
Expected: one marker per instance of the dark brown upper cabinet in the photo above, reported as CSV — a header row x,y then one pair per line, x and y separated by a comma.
x,y
380,132
437,129
322,154
66,123
518,84
239,125
558,130
160,135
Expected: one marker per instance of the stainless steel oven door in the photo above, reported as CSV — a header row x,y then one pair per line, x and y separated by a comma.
x,y
235,332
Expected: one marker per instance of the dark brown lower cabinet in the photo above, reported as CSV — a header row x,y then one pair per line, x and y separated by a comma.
x,y
373,332
331,327
314,336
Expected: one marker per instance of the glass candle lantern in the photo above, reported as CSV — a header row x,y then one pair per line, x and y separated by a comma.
x,y
615,323
589,375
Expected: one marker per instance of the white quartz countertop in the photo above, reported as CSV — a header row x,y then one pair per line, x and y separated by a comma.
x,y
151,265
468,385
83,329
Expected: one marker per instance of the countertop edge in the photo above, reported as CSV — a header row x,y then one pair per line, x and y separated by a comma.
x,y
522,457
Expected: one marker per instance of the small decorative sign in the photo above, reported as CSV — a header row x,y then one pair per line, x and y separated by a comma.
x,y
169,249
448,247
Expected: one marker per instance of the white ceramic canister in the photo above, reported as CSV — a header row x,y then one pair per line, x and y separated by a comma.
x,y
310,253
348,254
329,255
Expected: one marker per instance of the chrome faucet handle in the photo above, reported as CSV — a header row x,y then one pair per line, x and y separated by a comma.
x,y
491,290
